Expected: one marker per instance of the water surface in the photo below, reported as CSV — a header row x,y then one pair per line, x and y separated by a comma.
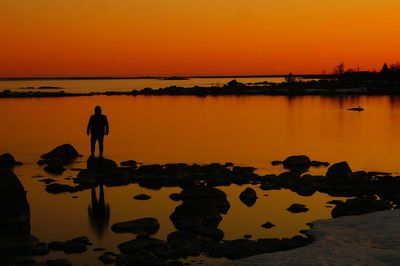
x,y
251,131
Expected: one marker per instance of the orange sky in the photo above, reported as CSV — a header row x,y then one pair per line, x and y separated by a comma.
x,y
194,37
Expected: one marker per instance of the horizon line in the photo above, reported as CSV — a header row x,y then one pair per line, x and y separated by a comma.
x,y
160,77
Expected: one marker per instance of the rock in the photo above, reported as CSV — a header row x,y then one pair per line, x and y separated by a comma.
x,y
318,163
40,249
335,202
229,164
304,187
141,226
276,162
99,249
240,170
8,160
152,169
266,186
175,196
359,206
247,236
201,192
182,237
58,262
100,164
56,188
142,197
106,259
56,245
341,169
14,207
76,245
66,153
297,162
296,208
286,179
268,225
47,180
129,163
139,244
248,197
54,168
212,233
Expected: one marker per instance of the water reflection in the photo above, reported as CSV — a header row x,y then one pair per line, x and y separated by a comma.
x,y
99,211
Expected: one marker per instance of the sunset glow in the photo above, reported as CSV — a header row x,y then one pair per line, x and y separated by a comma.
x,y
180,37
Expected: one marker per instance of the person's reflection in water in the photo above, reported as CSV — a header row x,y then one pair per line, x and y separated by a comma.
x,y
98,128
99,211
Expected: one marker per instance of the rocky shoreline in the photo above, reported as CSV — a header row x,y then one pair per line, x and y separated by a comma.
x,y
321,87
202,204
369,239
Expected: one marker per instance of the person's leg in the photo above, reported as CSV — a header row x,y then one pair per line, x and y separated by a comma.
x,y
92,145
101,145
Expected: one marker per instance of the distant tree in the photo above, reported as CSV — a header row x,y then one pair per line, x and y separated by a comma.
x,y
339,69
385,69
290,78
395,67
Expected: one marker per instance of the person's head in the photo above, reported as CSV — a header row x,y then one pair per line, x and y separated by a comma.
x,y
97,110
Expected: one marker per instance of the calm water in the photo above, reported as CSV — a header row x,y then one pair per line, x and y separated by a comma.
x,y
248,131
102,85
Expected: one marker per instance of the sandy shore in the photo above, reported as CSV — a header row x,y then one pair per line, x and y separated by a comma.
x,y
370,239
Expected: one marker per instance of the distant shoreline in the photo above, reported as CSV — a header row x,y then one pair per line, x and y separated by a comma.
x,y
305,76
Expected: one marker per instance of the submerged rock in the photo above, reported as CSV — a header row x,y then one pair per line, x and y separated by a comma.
x,y
201,192
276,162
141,226
142,197
129,163
268,225
296,208
341,169
175,196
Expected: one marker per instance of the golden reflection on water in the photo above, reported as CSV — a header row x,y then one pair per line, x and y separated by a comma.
x,y
244,130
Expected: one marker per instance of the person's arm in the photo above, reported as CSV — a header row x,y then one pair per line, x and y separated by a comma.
x,y
107,126
89,126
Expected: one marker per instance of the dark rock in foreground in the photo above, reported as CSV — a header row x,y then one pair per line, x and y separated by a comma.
x,y
360,206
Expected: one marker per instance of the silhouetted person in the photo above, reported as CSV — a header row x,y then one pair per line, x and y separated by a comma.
x,y
97,128
99,211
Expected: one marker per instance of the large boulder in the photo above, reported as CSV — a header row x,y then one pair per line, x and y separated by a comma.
x,y
14,219
14,207
143,226
341,169
297,162
359,206
8,160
